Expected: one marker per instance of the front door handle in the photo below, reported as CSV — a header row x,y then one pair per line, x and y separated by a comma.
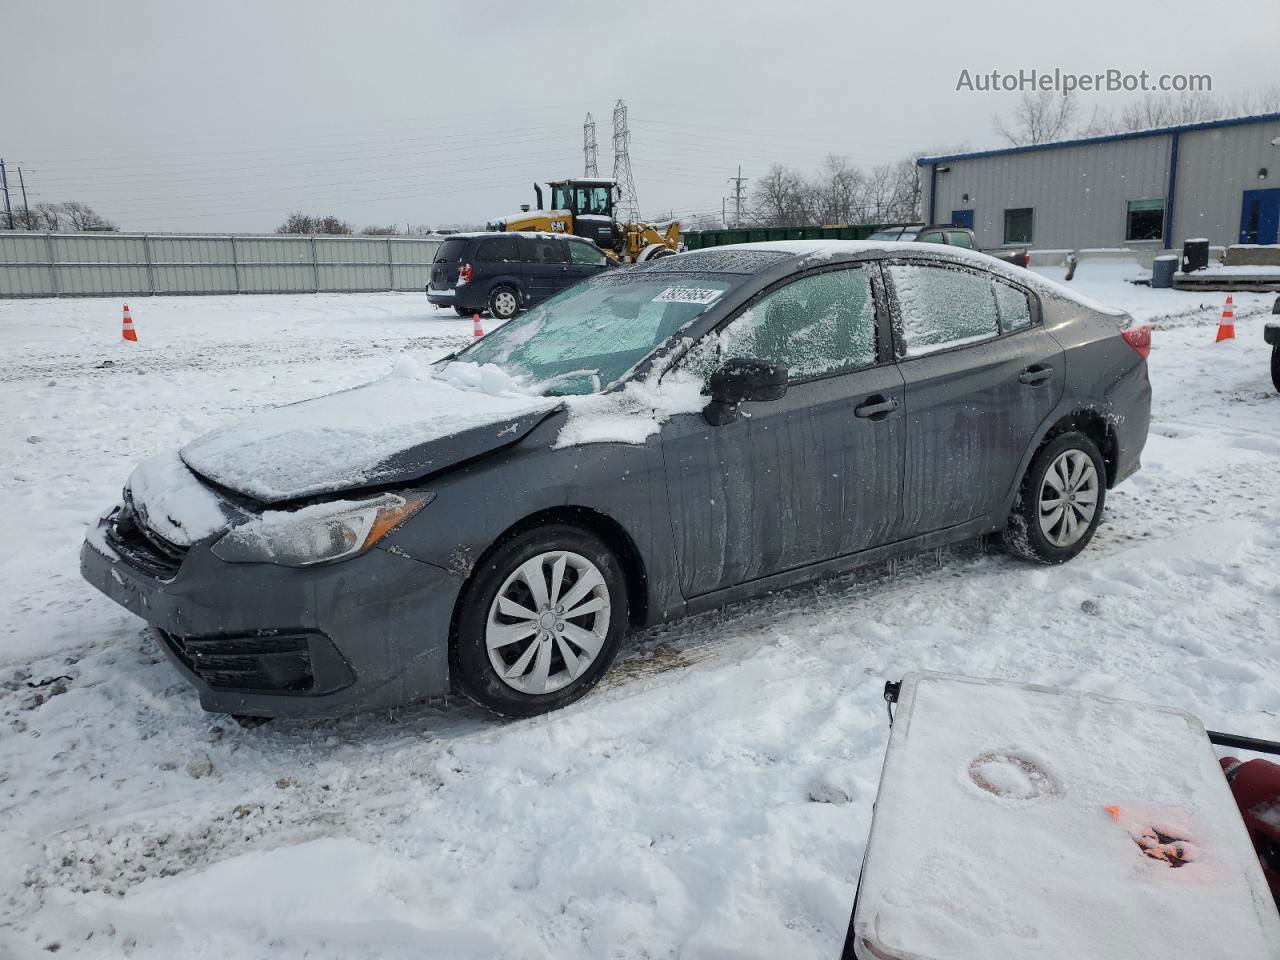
x,y
1035,375
876,408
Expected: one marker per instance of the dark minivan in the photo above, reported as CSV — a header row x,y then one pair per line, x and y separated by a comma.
x,y
505,272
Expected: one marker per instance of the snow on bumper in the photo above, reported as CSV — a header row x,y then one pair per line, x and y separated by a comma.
x,y
366,633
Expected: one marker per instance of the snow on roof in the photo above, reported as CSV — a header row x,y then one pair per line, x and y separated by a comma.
x,y
1018,821
818,250
1106,138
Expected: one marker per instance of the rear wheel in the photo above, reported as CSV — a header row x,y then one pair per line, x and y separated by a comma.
x,y
1060,504
463,312
1275,367
540,622
504,301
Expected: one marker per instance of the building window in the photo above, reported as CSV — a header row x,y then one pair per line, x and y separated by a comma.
x,y
1017,225
1145,220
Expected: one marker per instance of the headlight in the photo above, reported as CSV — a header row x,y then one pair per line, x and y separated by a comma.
x,y
319,533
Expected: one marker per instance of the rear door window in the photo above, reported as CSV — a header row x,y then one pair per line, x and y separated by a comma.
x,y
498,249
942,307
934,237
958,238
546,250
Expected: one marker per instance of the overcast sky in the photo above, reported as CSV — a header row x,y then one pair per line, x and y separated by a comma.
x,y
226,116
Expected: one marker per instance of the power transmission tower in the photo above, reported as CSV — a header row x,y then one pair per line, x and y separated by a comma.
x,y
589,152
26,211
738,196
622,163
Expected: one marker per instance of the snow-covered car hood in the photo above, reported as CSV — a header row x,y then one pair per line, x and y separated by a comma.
x,y
397,429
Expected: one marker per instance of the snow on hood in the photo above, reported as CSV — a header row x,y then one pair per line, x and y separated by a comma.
x,y
415,421
170,500
632,414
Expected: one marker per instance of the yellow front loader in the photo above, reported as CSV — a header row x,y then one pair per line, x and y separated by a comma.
x,y
585,208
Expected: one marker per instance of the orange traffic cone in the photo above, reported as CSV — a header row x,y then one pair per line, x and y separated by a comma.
x,y
128,332
1227,325
477,331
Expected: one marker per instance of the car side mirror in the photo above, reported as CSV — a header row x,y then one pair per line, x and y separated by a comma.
x,y
739,380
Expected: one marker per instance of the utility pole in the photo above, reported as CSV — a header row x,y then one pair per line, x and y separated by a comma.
x,y
4,185
26,211
737,182
590,166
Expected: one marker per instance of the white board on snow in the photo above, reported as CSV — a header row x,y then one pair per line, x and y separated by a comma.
x,y
1016,822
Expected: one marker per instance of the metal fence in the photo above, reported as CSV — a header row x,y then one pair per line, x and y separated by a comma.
x,y
121,264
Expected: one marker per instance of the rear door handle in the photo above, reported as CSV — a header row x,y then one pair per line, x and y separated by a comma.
x,y
1036,374
876,408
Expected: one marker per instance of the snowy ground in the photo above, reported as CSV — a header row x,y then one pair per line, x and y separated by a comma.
x,y
710,800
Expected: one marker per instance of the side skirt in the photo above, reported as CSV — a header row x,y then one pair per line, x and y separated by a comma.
x,y
817,571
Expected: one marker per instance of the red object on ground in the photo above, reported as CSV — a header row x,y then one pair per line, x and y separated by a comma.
x,y
1227,326
477,331
127,332
1256,786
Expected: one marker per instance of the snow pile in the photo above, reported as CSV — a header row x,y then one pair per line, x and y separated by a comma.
x,y
1012,821
173,502
632,414
347,439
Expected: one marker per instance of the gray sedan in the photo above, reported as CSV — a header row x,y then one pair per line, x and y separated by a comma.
x,y
651,443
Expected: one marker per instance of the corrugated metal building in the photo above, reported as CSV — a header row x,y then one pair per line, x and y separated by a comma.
x,y
1146,190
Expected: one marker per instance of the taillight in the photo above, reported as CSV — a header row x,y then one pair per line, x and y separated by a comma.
x,y
464,274
1140,339
1026,259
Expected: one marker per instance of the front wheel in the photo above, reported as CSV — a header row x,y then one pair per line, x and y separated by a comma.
x,y
1060,504
504,301
540,622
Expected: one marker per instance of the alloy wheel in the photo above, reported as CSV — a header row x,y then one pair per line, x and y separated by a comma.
x,y
548,622
504,304
1068,498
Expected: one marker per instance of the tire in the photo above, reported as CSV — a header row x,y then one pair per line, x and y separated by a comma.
x,y
517,678
504,302
1275,368
463,312
1038,532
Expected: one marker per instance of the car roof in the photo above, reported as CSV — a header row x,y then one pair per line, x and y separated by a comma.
x,y
787,256
541,234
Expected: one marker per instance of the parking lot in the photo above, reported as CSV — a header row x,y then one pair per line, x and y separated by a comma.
x,y
139,825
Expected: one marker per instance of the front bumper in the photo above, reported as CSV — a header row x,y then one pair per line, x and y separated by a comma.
x,y
269,641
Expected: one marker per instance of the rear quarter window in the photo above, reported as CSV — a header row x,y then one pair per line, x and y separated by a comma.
x,y
1014,307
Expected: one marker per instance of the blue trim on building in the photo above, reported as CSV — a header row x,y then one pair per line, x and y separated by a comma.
x,y
1171,190
1109,138
933,192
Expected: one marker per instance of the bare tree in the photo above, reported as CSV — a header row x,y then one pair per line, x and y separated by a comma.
x,y
71,215
304,224
374,231
1039,118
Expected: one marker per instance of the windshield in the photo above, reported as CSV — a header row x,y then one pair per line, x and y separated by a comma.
x,y
588,337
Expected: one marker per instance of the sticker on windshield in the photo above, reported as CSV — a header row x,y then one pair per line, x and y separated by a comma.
x,y
688,295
